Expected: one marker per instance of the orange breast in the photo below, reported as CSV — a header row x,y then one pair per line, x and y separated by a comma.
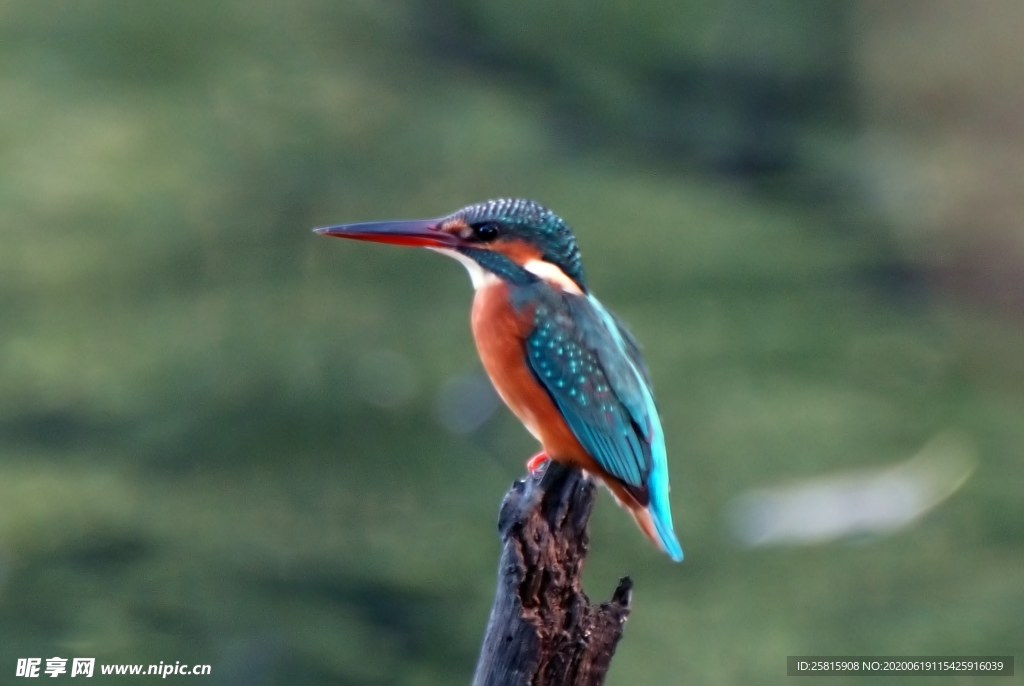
x,y
500,332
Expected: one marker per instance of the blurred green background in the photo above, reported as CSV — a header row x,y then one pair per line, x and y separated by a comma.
x,y
225,440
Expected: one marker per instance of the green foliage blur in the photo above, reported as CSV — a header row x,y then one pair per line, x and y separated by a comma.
x,y
198,464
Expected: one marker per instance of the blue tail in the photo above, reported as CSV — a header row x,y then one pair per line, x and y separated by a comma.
x,y
662,514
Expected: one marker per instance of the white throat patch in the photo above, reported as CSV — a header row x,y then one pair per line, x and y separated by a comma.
x,y
477,274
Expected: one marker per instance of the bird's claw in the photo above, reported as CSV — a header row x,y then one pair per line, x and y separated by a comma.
x,y
536,462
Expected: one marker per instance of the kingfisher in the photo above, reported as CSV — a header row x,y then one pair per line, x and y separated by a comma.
x,y
568,368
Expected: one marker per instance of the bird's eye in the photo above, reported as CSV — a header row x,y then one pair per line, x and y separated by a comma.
x,y
487,231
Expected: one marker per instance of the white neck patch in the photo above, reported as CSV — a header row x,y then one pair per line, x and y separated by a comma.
x,y
542,269
477,274
553,275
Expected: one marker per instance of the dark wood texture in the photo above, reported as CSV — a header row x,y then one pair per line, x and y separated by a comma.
x,y
543,630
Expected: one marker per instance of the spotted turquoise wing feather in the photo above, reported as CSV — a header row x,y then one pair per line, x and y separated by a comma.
x,y
584,358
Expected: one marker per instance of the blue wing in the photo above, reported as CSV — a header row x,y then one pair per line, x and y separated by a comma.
x,y
579,354
590,365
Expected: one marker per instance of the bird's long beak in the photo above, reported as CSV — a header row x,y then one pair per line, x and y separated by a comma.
x,y
424,233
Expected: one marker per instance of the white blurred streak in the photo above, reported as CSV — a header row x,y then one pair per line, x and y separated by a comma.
x,y
465,402
867,503
386,379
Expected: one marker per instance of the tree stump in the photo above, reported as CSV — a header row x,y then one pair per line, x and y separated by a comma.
x,y
543,630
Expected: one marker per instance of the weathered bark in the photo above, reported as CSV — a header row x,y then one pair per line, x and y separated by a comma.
x,y
543,631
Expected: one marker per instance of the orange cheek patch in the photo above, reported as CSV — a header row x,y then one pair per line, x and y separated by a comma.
x,y
518,251
456,227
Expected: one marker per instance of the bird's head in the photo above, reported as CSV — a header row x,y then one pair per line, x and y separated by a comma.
x,y
511,239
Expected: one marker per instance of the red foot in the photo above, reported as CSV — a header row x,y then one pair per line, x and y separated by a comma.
x,y
535,462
